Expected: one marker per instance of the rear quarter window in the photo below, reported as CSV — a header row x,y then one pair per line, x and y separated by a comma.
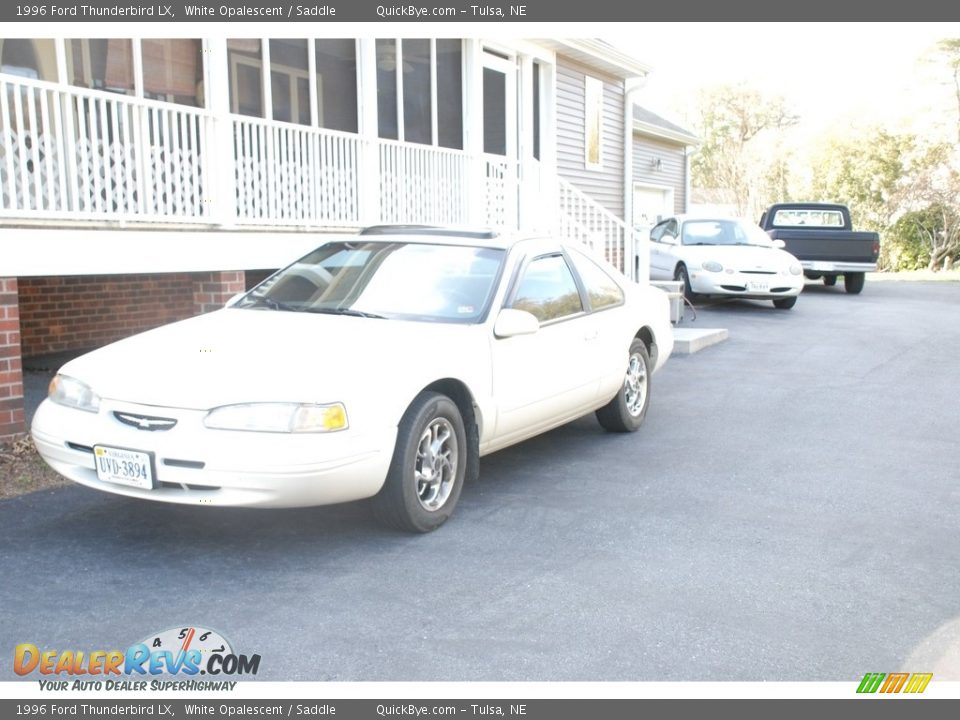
x,y
800,217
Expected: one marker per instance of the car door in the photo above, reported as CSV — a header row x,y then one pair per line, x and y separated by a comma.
x,y
546,377
662,259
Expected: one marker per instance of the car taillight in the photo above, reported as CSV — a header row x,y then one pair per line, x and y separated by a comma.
x,y
876,247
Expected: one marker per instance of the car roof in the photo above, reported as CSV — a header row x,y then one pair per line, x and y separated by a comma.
x,y
686,217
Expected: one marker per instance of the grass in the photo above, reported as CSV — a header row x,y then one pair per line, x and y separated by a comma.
x,y
915,276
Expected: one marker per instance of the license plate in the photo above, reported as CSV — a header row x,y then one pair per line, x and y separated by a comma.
x,y
821,266
124,467
756,286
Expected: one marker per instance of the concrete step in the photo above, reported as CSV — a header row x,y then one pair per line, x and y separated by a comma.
x,y
687,341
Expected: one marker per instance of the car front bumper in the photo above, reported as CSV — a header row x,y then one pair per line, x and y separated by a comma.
x,y
746,285
196,465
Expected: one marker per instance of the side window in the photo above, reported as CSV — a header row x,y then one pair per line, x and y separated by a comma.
x,y
671,229
547,290
602,290
657,232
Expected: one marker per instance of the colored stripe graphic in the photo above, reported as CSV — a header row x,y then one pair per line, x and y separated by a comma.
x,y
870,682
918,683
894,682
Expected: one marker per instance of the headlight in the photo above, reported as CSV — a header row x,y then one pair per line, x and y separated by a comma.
x,y
65,390
712,266
279,417
795,269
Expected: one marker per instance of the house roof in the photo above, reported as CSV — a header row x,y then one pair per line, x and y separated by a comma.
x,y
599,54
647,122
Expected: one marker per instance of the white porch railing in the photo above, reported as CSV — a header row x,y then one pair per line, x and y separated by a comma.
x,y
69,153
589,223
74,154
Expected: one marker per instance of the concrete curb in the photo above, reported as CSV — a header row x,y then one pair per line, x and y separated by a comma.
x,y
687,341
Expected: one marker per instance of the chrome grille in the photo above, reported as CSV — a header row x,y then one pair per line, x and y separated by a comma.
x,y
144,422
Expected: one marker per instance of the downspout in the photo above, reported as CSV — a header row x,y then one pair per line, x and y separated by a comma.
x,y
687,151
637,255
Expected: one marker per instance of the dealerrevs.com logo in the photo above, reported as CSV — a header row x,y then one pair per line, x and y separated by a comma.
x,y
182,651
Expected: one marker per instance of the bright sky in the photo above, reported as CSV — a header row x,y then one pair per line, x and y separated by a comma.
x,y
828,72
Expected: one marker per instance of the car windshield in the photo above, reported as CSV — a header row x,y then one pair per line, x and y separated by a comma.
x,y
402,280
723,232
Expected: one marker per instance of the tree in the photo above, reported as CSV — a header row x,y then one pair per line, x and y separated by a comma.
x,y
863,173
929,205
948,52
732,121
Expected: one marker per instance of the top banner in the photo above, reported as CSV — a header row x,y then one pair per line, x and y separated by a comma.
x,y
495,11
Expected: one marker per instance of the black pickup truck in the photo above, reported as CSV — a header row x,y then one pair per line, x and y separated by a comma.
x,y
821,237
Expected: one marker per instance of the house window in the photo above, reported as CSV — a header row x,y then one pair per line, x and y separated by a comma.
x,y
290,80
101,65
449,54
593,122
173,71
337,84
494,112
34,59
245,61
417,95
420,91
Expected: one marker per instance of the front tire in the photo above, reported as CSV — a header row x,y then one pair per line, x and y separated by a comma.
x,y
625,413
682,275
785,303
429,464
853,282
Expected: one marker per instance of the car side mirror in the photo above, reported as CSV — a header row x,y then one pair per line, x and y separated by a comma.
x,y
234,300
779,244
512,322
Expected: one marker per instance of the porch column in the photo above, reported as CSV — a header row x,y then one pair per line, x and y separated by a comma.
x,y
476,196
11,365
222,191
211,290
370,212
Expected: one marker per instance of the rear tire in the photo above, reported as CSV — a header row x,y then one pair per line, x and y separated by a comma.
x,y
625,413
785,303
829,280
853,282
429,464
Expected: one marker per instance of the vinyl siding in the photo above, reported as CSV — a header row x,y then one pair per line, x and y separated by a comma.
x,y
604,185
671,173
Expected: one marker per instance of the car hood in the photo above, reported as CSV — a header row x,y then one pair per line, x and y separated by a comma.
x,y
742,257
238,355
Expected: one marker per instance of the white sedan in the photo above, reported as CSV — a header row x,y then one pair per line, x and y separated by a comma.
x,y
724,256
383,365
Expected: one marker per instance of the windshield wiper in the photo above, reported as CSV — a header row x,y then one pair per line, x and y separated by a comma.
x,y
343,311
271,303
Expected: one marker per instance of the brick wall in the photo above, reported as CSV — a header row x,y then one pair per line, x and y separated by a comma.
x,y
11,375
76,313
212,290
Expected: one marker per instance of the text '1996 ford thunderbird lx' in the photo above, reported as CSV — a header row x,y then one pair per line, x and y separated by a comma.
x,y
378,366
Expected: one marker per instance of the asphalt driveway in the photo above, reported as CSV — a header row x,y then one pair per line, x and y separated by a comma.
x,y
788,512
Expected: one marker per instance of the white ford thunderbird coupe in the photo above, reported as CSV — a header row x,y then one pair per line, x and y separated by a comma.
x,y
378,366
724,257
